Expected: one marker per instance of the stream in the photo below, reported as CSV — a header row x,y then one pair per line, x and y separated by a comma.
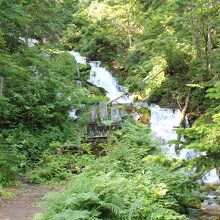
x,y
162,122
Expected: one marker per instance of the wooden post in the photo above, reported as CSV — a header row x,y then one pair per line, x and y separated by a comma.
x,y
1,85
114,100
103,111
93,119
115,115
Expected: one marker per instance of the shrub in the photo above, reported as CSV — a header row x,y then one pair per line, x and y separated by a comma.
x,y
127,183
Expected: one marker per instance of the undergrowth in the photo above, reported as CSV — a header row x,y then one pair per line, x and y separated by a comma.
x,y
130,182
60,161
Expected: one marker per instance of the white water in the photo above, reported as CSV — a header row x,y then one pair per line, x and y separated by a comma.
x,y
101,77
163,120
211,200
72,114
31,42
79,59
211,177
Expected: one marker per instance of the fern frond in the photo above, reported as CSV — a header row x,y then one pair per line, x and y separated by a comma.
x,y
69,214
134,207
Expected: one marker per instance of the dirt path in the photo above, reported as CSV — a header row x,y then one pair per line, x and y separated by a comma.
x,y
23,206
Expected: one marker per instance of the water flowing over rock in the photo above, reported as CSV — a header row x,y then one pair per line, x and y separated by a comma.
x,y
78,57
72,114
30,41
162,122
101,77
211,177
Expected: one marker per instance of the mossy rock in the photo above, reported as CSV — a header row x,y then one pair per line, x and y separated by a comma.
x,y
144,119
96,90
137,98
145,115
146,111
205,119
84,67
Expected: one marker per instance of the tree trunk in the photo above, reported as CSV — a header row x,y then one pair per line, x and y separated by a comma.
x,y
1,85
183,116
26,34
128,26
1,91
209,38
196,32
185,109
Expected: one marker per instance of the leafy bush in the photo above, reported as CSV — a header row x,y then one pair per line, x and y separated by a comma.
x,y
127,183
204,135
39,89
60,162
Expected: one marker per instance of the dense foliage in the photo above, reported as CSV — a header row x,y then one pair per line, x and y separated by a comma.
x,y
130,182
39,86
163,51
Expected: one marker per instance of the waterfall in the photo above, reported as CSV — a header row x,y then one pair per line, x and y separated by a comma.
x,y
162,122
101,77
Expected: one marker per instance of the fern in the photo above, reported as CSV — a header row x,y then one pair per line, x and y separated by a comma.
x,y
114,209
124,185
134,206
69,214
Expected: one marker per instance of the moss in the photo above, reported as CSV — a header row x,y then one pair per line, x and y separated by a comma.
x,y
205,119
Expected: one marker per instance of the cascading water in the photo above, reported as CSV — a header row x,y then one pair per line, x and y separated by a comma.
x,y
79,59
72,114
101,77
163,120
30,41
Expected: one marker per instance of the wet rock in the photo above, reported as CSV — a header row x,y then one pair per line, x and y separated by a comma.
x,y
211,210
123,113
144,118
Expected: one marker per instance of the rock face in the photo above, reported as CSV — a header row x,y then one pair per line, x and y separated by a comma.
x,y
211,210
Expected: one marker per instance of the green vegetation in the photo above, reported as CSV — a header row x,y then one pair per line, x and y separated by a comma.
x,y
131,182
165,52
38,91
204,135
39,87
60,161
